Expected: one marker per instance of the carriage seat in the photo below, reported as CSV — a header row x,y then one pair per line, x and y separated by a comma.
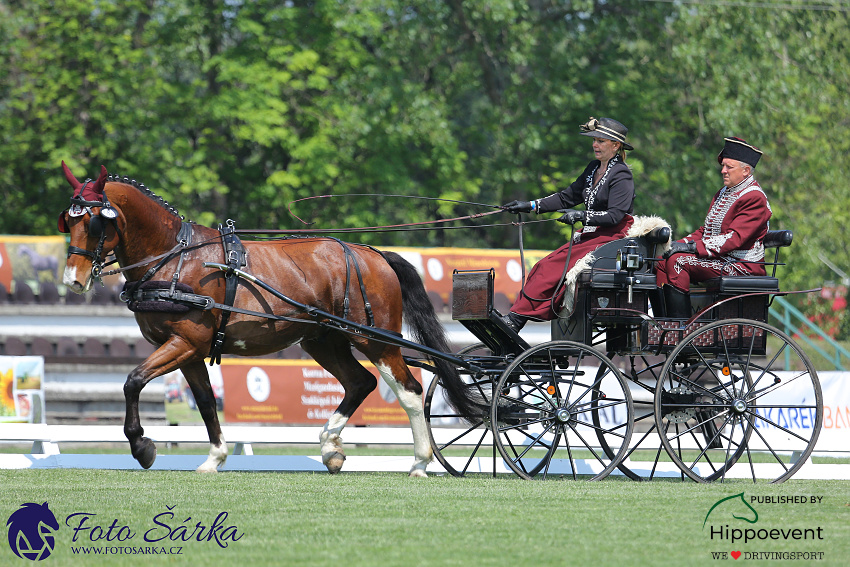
x,y
742,284
752,284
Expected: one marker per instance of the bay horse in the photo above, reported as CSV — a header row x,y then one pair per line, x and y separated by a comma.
x,y
127,219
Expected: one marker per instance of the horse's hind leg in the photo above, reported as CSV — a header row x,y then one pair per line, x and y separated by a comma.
x,y
397,375
199,381
334,354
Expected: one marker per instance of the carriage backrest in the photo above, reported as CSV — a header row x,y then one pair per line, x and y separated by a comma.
x,y
777,239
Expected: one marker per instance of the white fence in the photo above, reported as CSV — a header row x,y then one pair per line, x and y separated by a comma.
x,y
45,453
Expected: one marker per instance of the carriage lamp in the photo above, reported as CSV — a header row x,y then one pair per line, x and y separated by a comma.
x,y
633,261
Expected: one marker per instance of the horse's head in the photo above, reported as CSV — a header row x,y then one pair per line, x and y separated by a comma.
x,y
93,225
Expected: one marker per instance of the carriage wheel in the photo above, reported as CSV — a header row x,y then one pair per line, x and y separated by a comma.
x,y
461,445
691,427
554,401
726,397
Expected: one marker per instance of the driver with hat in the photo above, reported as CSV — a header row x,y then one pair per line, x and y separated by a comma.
x,y
607,191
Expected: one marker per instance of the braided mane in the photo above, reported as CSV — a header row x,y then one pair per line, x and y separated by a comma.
x,y
147,192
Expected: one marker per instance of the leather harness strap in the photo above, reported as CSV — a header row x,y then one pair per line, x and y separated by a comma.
x,y
236,258
349,259
184,239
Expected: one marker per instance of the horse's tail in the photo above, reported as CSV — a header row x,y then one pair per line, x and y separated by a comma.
x,y
427,330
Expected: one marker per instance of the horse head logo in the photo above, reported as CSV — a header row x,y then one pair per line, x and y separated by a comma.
x,y
737,507
31,530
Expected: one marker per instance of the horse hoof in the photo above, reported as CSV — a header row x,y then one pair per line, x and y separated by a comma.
x,y
206,469
148,453
418,473
334,462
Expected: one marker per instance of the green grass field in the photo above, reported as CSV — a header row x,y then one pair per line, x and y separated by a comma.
x,y
386,519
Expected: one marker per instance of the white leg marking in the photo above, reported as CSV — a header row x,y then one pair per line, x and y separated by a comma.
x,y
333,455
412,404
215,459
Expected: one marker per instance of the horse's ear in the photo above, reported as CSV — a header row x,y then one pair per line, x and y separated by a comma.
x,y
101,181
70,177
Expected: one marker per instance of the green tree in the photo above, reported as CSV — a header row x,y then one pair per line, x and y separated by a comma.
x,y
779,78
70,88
234,109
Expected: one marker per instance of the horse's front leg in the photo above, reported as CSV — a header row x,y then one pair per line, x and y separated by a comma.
x,y
199,381
334,354
170,356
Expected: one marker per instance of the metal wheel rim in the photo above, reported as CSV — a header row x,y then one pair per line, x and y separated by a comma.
x,y
508,412
763,394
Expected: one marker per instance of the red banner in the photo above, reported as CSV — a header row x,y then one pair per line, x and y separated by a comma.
x,y
299,392
5,268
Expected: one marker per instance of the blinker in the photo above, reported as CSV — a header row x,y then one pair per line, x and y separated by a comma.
x,y
96,226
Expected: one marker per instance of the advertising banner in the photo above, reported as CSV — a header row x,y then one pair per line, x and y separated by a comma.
x,y
785,414
436,266
300,392
835,433
21,389
32,259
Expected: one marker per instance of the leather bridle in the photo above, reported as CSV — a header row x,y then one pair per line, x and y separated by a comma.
x,y
107,214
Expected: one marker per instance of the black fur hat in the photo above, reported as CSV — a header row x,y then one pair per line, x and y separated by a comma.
x,y
739,150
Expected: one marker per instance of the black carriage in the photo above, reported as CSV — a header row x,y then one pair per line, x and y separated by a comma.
x,y
620,388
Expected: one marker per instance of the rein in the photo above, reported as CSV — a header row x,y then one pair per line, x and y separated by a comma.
x,y
179,247
383,228
289,206
386,228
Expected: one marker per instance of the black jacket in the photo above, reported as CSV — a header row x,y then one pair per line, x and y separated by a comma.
x,y
607,203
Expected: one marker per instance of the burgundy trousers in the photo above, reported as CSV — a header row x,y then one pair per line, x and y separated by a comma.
x,y
679,270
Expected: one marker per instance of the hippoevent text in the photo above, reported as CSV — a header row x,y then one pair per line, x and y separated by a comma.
x,y
751,534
